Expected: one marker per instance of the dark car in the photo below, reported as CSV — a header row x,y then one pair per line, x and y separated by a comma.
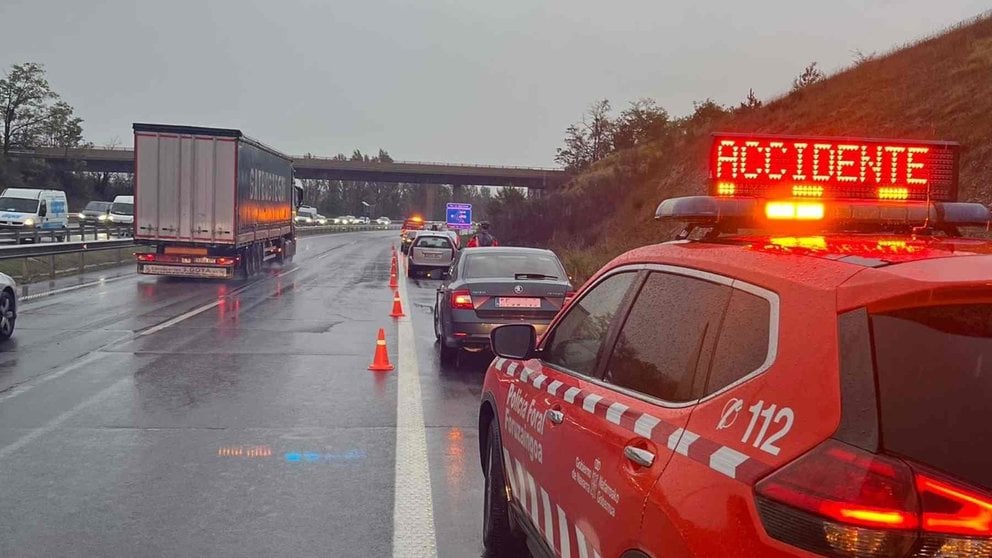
x,y
491,286
96,212
406,239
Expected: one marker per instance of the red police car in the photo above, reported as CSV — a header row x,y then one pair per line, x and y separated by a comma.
x,y
806,371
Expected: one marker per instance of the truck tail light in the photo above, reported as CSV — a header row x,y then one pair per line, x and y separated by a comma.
x,y
227,261
838,500
462,300
145,257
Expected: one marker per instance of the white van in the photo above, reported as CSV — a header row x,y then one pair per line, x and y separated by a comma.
x,y
122,210
31,209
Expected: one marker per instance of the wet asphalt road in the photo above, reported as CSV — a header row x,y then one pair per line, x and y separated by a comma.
x,y
148,416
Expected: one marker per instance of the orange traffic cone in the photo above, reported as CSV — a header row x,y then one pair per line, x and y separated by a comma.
x,y
392,265
397,306
392,278
380,362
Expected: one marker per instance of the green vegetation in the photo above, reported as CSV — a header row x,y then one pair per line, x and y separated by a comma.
x,y
935,88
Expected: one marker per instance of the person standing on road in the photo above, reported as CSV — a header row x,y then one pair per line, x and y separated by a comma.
x,y
483,237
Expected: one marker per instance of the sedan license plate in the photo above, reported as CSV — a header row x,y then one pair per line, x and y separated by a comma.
x,y
517,302
432,255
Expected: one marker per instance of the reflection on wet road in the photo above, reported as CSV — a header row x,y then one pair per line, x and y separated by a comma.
x,y
154,416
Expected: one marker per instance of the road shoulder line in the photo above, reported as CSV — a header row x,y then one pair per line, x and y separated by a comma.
x,y
413,503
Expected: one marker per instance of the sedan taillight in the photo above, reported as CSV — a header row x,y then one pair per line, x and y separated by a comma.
x,y
462,300
839,500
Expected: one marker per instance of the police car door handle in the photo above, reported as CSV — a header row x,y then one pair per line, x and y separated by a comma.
x,y
556,416
642,457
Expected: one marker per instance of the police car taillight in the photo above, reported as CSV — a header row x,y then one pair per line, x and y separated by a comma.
x,y
838,500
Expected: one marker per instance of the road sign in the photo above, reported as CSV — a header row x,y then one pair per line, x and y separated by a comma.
x,y
459,216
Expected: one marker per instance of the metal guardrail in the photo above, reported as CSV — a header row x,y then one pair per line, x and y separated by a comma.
x,y
62,257
78,231
66,258
318,229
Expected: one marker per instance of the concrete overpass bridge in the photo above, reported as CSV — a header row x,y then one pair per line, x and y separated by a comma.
x,y
122,160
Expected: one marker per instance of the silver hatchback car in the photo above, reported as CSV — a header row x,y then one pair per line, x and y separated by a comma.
x,y
430,250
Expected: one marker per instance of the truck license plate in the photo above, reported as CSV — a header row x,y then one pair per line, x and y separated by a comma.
x,y
185,271
518,302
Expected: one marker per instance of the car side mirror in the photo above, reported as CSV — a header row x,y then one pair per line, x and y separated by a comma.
x,y
43,210
514,341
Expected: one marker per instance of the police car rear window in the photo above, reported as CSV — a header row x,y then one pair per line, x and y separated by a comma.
x,y
659,346
744,340
934,368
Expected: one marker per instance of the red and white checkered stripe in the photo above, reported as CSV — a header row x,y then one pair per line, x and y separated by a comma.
x,y
720,458
566,538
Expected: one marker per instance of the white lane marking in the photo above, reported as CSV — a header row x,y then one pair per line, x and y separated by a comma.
x,y
57,421
566,547
201,309
413,502
645,425
24,388
589,403
549,528
726,460
52,292
181,317
615,411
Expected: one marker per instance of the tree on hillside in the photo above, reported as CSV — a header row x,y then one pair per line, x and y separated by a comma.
x,y
62,129
588,140
811,74
641,122
751,102
32,114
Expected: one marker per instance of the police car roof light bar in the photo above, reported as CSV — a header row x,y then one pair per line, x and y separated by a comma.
x,y
729,213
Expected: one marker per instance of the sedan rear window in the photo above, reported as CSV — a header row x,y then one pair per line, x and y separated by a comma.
x,y
432,242
935,383
509,265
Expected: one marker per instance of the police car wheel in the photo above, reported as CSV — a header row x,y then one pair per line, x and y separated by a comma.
x,y
497,535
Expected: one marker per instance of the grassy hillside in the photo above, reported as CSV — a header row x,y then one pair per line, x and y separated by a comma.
x,y
938,88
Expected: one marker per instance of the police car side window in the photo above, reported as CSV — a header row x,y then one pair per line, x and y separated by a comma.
x,y
743,343
577,340
671,323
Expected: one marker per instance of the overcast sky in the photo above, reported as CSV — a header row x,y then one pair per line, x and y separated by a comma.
x,y
429,80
